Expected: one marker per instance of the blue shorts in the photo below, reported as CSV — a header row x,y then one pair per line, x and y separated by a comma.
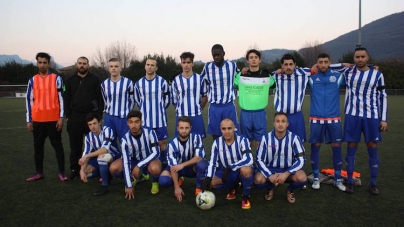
x,y
198,126
185,172
161,133
117,124
354,126
253,124
297,125
218,112
331,131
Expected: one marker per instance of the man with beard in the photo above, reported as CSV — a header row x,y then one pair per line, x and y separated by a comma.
x,y
185,158
82,96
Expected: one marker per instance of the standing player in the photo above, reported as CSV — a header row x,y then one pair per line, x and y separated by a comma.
x,y
152,95
219,75
289,95
82,96
99,151
118,94
365,111
280,159
139,149
186,157
189,95
325,120
44,104
253,97
230,162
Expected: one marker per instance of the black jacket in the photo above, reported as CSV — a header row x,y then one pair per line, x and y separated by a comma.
x,y
82,96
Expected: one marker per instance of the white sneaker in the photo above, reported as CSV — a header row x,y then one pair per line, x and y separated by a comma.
x,y
316,184
339,185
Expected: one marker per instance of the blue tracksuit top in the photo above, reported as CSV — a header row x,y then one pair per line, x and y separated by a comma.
x,y
325,96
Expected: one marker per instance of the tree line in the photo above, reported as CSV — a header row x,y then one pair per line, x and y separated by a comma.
x,y
169,66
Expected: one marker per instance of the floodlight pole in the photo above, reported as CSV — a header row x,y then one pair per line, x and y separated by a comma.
x,y
360,25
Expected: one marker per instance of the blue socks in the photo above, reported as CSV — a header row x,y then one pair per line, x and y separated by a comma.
x,y
296,185
315,159
373,164
104,171
165,181
350,162
337,161
247,184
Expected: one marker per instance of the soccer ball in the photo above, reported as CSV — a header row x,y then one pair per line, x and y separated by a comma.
x,y
205,200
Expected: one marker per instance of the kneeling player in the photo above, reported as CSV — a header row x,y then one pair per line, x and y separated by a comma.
x,y
280,159
185,158
139,149
230,163
99,151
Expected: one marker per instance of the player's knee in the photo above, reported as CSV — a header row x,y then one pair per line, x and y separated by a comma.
x,y
246,171
165,181
300,176
155,167
259,179
201,166
371,144
104,158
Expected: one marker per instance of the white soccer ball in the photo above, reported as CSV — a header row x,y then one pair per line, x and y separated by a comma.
x,y
205,200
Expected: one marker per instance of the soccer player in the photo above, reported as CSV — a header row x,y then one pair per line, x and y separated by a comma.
x,y
118,94
219,75
139,149
186,157
45,114
230,162
99,151
253,97
365,111
189,95
152,95
280,159
325,120
82,96
289,95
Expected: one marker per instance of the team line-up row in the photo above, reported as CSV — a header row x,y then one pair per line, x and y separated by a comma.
x,y
365,111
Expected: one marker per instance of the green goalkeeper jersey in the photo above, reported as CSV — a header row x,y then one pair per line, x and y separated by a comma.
x,y
253,89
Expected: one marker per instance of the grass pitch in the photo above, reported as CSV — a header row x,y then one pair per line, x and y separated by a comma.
x,y
50,202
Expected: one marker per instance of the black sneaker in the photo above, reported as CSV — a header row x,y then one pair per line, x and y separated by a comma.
x,y
74,174
349,188
373,190
101,190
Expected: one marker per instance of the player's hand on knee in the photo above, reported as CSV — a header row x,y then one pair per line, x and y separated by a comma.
x,y
129,193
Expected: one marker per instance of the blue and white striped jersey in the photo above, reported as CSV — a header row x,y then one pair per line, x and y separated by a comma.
x,y
105,139
118,96
365,94
143,148
290,90
236,155
29,101
220,81
186,94
153,98
286,153
180,152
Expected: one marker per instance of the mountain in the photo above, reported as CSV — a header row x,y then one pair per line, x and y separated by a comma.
x,y
383,38
269,56
9,58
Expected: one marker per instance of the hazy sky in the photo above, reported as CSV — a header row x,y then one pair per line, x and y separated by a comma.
x,y
69,29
